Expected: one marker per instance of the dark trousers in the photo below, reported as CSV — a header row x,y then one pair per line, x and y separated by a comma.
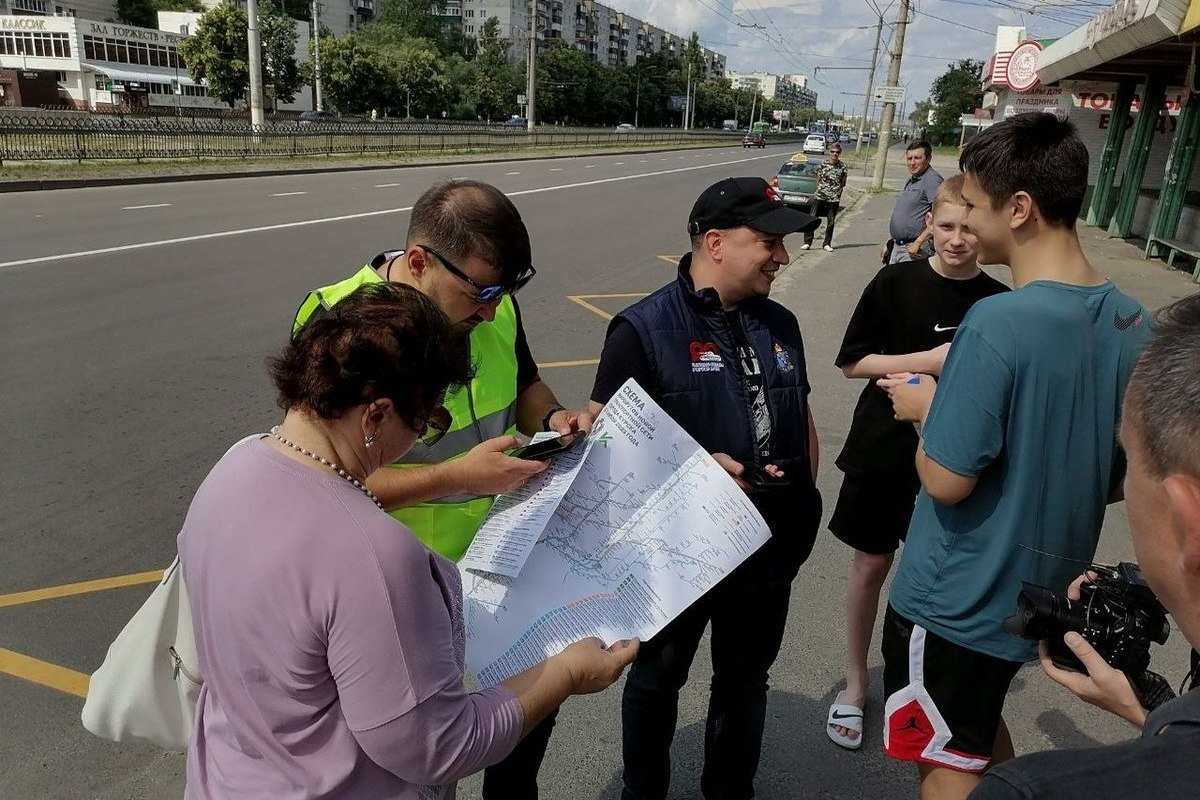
x,y
515,778
829,210
748,612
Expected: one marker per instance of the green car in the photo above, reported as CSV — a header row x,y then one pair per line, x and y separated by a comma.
x,y
796,182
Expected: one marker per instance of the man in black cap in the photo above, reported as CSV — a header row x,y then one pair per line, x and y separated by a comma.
x,y
727,364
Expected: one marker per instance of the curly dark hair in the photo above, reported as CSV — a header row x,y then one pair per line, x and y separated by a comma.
x,y
384,340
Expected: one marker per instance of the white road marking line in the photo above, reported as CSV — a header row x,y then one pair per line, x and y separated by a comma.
x,y
556,169
512,173
589,166
287,194
201,237
643,161
619,164
139,208
385,185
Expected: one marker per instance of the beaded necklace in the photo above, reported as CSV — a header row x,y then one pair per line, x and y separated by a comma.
x,y
343,473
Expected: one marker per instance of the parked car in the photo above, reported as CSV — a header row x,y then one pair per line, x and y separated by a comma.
x,y
625,127
318,117
814,143
796,182
754,140
516,121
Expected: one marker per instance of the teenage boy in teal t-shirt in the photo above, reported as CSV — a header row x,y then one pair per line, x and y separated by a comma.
x,y
1018,453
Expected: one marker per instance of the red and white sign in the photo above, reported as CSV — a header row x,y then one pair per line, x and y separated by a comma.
x,y
1021,71
1048,99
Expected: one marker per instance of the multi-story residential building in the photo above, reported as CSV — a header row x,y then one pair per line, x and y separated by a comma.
x,y
609,37
787,90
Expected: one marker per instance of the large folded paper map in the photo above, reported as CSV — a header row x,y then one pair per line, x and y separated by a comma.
x,y
614,540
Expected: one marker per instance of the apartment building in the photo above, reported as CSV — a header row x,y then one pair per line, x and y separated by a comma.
x,y
787,90
609,37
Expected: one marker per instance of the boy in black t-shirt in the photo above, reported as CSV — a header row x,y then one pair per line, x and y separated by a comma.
x,y
903,323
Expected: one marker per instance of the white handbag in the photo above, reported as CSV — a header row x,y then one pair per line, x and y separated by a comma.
x,y
149,681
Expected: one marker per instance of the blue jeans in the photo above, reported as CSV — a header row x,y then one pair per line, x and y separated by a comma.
x,y
748,611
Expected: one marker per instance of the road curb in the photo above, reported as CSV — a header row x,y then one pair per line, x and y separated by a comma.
x,y
47,184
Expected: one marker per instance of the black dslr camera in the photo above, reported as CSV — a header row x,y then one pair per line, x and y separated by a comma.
x,y
1117,613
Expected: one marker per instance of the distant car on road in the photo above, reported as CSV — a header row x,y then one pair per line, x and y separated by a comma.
x,y
814,143
754,140
846,138
516,121
625,127
318,117
796,182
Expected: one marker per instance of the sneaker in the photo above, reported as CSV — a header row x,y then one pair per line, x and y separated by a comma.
x,y
828,248
806,245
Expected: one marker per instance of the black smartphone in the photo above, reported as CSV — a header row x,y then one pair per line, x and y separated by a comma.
x,y
549,448
759,478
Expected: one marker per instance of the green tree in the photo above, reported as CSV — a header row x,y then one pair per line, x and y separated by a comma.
x,y
421,19
956,92
562,89
920,115
278,34
217,52
419,77
354,76
494,81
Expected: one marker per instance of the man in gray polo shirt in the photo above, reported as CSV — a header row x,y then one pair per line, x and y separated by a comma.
x,y
910,238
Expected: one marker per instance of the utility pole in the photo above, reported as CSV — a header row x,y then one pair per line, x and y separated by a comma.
x,y
687,102
316,19
254,44
862,128
531,89
889,109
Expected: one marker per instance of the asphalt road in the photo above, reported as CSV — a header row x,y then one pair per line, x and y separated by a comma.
x,y
134,323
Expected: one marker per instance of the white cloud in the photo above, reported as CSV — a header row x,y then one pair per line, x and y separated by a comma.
x,y
812,37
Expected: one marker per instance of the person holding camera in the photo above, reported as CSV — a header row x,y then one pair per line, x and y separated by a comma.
x,y
1160,431
727,363
1017,455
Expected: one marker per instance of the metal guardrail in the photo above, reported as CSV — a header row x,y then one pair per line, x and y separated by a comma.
x,y
79,138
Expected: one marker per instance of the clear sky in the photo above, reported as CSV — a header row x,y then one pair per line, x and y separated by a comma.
x,y
808,36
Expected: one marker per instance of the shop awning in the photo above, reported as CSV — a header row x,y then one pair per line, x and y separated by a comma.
x,y
1127,27
121,74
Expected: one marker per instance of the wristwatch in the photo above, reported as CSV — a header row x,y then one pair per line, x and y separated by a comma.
x,y
554,409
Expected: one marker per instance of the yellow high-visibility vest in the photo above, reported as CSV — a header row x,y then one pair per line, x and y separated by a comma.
x,y
481,410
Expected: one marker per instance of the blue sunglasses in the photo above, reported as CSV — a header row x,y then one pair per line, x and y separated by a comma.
x,y
483,294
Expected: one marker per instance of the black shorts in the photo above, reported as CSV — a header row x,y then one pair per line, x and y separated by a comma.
x,y
944,701
873,510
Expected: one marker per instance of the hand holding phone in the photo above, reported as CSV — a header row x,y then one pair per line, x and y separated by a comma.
x,y
544,450
759,478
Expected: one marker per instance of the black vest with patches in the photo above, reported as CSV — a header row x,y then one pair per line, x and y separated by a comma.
x,y
693,353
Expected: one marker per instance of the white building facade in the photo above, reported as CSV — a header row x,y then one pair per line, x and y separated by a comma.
x,y
102,66
787,90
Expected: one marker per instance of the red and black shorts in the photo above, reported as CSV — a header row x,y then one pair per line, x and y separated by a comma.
x,y
944,701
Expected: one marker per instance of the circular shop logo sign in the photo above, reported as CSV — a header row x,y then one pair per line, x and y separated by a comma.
x,y
1022,66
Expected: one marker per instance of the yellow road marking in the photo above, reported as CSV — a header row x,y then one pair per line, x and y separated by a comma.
x,y
83,587
44,673
672,260
583,362
582,300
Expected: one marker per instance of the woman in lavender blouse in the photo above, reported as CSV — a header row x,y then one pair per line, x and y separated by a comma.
x,y
330,639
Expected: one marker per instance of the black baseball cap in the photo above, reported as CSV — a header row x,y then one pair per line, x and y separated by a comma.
x,y
734,202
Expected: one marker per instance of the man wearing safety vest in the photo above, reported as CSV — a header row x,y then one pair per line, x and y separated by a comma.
x,y
468,251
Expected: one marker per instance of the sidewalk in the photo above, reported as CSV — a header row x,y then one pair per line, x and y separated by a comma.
x,y
1150,281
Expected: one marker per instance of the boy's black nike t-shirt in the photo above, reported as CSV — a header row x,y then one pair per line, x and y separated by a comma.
x,y
907,307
